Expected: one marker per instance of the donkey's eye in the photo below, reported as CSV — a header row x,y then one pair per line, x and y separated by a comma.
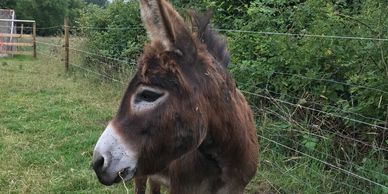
x,y
148,96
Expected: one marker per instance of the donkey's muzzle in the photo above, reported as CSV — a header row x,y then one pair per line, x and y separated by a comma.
x,y
100,164
107,176
112,160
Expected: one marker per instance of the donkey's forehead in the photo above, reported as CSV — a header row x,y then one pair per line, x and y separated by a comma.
x,y
152,55
160,71
156,57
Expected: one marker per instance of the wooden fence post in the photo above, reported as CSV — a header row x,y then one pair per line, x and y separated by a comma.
x,y
67,35
34,38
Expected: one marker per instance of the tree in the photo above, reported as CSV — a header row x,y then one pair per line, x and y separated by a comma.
x,y
113,31
46,13
5,4
101,3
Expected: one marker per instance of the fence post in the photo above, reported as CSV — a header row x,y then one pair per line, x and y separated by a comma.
x,y
67,34
34,38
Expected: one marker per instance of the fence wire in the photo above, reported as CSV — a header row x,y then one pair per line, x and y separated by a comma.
x,y
324,162
332,81
306,131
316,110
285,118
304,35
266,33
320,152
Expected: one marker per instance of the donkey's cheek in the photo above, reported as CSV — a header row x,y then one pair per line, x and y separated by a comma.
x,y
183,143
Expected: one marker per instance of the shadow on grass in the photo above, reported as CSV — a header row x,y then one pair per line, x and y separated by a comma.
x,y
16,58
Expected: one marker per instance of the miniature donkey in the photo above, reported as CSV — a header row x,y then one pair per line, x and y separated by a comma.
x,y
181,123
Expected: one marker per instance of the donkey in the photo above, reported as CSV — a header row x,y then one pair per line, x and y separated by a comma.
x,y
182,123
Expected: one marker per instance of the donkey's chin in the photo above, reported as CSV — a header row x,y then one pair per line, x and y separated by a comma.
x,y
125,174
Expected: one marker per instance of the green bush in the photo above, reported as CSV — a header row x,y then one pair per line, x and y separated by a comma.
x,y
296,65
338,85
114,32
341,75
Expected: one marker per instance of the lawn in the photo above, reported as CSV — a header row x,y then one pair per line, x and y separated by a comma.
x,y
49,123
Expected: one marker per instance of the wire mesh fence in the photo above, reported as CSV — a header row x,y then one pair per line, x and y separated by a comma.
x,y
313,153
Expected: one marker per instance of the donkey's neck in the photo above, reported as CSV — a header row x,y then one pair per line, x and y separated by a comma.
x,y
230,135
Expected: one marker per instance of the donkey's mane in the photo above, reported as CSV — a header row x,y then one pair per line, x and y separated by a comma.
x,y
215,44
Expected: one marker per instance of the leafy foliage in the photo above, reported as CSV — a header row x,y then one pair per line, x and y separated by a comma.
x,y
279,62
7,3
349,74
344,78
294,65
114,31
47,13
101,3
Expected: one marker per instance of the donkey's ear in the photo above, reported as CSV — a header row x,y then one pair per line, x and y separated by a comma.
x,y
164,24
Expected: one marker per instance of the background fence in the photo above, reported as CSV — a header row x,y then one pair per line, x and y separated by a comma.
x,y
297,133
17,37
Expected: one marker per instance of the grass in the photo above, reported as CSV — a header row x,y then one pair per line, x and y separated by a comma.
x,y
50,121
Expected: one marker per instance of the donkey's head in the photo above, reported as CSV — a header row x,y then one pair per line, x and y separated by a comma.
x,y
166,108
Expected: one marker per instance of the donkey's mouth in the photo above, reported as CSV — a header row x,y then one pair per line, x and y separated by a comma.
x,y
125,174
110,179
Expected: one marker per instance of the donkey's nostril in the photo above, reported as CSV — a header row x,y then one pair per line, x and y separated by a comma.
x,y
99,162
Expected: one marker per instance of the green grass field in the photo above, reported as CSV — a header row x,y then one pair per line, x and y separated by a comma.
x,y
50,121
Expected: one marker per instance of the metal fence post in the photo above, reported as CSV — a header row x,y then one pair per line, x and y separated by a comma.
x,y
67,34
34,38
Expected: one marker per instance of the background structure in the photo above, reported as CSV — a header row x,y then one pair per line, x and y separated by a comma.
x,y
6,27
